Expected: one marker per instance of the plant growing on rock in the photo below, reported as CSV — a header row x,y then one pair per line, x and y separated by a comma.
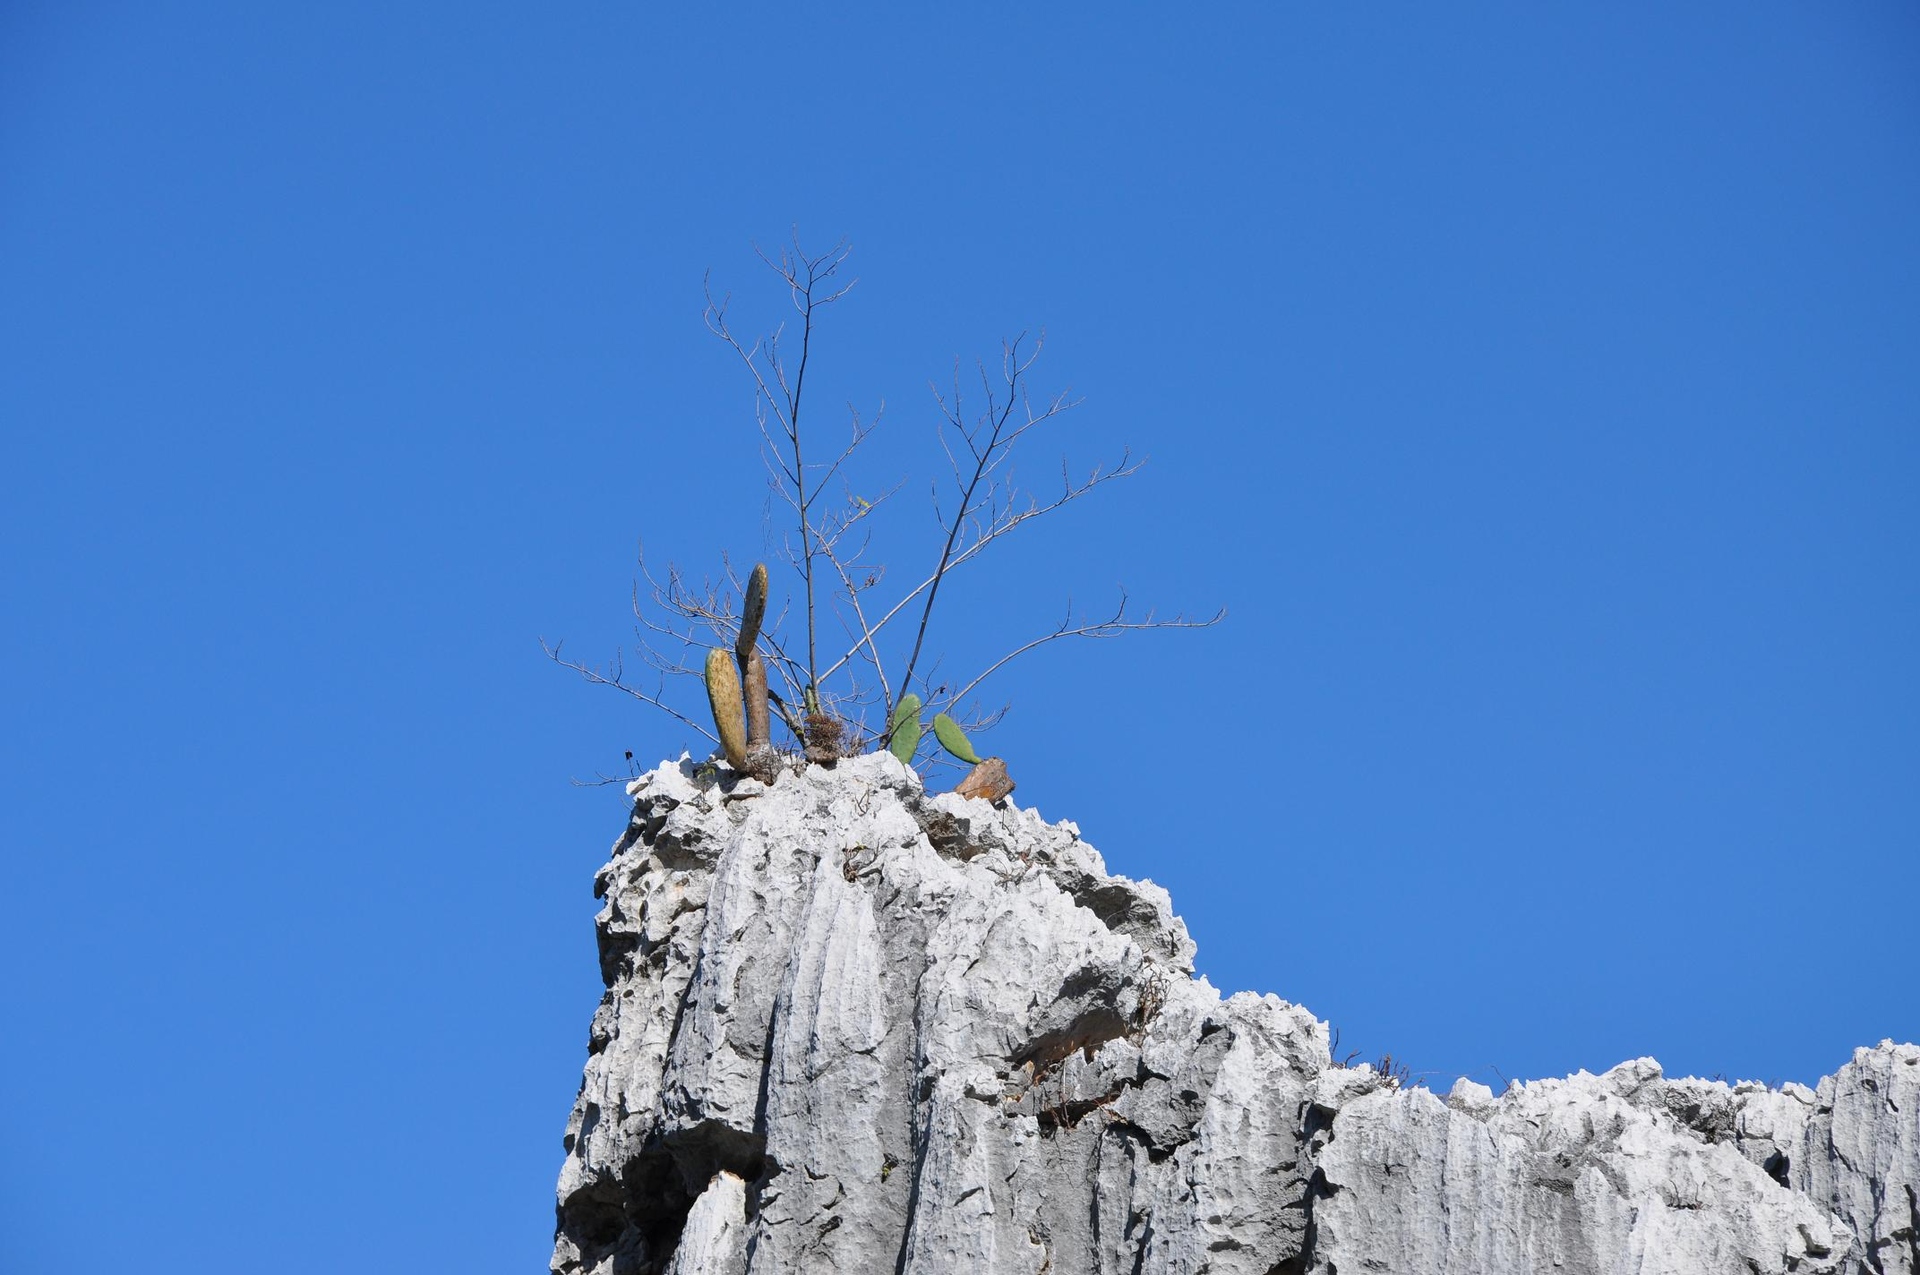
x,y
846,664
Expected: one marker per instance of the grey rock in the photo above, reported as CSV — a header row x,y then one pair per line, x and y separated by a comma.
x,y
714,1239
851,1027
1580,1174
1851,1145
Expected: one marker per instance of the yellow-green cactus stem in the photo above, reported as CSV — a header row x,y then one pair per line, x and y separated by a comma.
x,y
759,721
752,612
723,696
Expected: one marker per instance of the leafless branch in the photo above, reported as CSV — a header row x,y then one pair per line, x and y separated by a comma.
x,y
1002,518
1112,626
828,542
809,281
614,678
601,781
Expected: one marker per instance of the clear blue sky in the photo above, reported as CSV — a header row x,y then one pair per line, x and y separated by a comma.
x,y
1539,389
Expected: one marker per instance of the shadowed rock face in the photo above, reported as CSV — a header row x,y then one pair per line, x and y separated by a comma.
x,y
852,1028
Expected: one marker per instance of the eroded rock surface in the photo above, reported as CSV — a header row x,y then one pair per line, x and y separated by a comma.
x,y
849,1027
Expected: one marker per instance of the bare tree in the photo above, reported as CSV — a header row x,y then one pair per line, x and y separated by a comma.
x,y
863,651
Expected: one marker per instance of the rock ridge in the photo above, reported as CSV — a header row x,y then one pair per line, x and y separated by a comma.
x,y
852,1027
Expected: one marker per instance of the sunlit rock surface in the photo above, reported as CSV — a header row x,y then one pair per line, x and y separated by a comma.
x,y
852,1028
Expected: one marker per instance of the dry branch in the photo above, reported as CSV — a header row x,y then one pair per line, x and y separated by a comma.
x,y
827,543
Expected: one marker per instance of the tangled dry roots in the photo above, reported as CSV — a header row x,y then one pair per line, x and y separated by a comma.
x,y
825,738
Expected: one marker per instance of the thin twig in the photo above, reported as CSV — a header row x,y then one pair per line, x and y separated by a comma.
x,y
594,675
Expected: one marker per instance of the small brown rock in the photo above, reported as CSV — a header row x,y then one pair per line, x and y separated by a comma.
x,y
987,781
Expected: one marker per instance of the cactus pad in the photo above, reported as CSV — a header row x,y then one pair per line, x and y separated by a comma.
x,y
953,739
904,729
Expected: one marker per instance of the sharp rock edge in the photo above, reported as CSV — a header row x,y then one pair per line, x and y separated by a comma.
x,y
852,1028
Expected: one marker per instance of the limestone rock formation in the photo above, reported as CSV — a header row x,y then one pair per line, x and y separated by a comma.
x,y
850,1027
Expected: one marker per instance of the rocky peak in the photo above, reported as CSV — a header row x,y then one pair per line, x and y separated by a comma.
x,y
852,1027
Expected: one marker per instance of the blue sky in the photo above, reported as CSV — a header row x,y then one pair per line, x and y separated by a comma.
x,y
1536,388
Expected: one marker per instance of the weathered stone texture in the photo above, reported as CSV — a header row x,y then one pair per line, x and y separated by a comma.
x,y
852,1028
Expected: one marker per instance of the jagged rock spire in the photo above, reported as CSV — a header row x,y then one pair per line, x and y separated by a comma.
x,y
852,1028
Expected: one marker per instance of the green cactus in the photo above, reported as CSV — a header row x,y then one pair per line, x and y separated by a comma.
x,y
759,719
723,696
752,612
753,670
953,739
904,729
